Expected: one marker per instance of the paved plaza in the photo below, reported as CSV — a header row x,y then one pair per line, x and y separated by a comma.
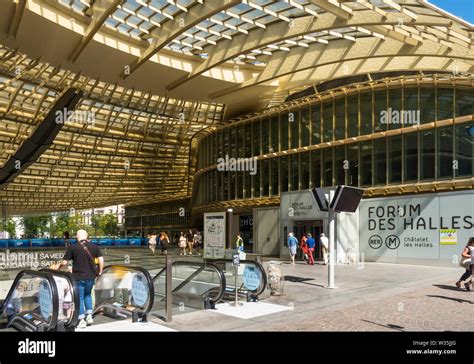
x,y
378,297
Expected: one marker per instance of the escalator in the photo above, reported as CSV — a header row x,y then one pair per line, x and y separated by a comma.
x,y
251,279
123,292
38,301
195,285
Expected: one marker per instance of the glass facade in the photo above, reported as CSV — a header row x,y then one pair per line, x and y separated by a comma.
x,y
428,154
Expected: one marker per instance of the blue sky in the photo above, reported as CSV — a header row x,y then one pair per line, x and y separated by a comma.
x,y
461,8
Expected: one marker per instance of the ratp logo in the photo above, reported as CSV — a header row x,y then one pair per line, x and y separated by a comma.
x,y
37,347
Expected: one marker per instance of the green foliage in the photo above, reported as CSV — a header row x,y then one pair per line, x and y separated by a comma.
x,y
106,224
36,225
11,228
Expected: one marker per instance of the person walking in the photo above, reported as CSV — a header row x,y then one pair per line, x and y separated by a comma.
x,y
182,241
152,242
310,243
164,243
197,241
325,247
292,244
190,237
304,248
239,243
87,264
467,262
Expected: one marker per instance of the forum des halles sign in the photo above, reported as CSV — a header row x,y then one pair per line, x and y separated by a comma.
x,y
417,229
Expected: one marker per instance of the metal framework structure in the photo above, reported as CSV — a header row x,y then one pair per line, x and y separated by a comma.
x,y
141,145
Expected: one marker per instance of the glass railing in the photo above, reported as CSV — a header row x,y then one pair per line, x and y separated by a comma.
x,y
124,291
68,299
251,276
191,280
32,303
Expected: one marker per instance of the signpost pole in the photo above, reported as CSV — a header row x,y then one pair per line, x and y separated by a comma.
x,y
236,263
168,288
332,231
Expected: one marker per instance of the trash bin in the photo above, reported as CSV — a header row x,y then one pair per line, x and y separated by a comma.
x,y
276,279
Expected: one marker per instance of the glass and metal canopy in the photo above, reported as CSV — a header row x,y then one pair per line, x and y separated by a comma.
x,y
157,73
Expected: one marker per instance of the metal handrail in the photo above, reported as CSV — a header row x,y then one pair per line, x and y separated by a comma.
x,y
74,294
147,277
54,290
257,292
188,279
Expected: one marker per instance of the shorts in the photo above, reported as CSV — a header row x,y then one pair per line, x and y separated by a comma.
x,y
293,250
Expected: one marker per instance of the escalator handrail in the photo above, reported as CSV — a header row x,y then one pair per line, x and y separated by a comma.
x,y
263,285
147,277
54,290
222,280
73,321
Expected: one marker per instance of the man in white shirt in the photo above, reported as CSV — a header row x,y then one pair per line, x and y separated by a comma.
x,y
325,247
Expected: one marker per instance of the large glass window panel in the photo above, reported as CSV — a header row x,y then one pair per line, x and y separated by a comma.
x,y
265,135
366,113
240,140
274,133
427,159
339,165
305,124
284,174
304,168
248,184
284,142
410,146
328,114
294,173
256,139
239,176
315,124
353,116
353,161
220,145
248,140
226,185
220,185
256,181
380,161
265,165
464,102
328,167
274,163
380,109
315,168
464,150
232,184
366,163
294,124
445,152
232,142
427,104
410,106
395,108
445,103
340,119
395,159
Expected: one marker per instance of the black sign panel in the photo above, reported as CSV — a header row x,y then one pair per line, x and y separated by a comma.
x,y
346,199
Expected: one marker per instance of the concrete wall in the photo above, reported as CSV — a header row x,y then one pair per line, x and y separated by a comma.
x,y
266,229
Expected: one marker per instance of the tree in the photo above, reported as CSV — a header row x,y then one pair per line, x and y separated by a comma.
x,y
11,227
109,224
36,225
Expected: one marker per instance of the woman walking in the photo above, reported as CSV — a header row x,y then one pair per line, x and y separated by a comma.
x,y
182,243
164,242
152,242
467,262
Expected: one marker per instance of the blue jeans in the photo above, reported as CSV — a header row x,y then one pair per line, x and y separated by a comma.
x,y
85,297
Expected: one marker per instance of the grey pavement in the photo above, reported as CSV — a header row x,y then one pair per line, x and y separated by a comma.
x,y
379,297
